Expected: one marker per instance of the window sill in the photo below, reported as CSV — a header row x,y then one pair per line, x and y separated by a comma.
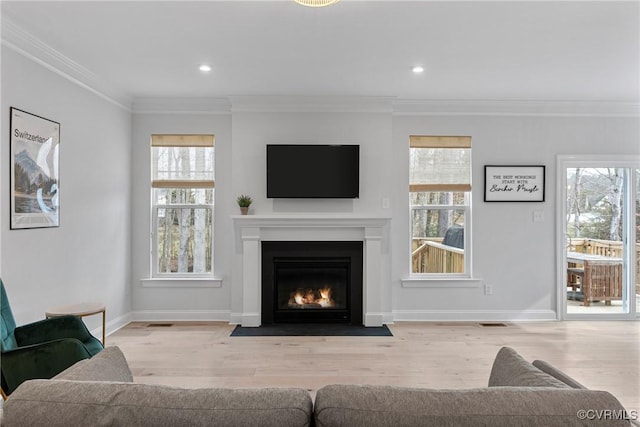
x,y
442,282
181,282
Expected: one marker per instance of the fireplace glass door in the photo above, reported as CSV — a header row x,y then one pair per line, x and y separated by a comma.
x,y
310,285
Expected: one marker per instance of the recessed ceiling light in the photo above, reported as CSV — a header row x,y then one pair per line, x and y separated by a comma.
x,y
205,68
417,69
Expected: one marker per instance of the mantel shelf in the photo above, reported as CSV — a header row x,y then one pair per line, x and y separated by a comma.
x,y
312,221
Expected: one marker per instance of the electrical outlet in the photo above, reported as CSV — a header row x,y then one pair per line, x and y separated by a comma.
x,y
488,289
538,216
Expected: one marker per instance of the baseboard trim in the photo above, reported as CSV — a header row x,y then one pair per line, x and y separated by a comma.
x,y
112,326
383,318
180,315
373,319
473,315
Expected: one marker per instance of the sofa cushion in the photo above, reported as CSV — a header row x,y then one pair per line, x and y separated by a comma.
x,y
556,373
388,406
77,403
510,369
108,365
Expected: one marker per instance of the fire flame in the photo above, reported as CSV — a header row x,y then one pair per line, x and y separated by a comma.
x,y
312,298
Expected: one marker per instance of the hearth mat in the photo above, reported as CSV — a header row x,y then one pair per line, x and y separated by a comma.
x,y
311,329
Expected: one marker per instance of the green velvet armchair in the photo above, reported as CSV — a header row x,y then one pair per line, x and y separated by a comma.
x,y
41,349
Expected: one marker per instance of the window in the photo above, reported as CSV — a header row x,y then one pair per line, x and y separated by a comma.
x,y
182,194
440,199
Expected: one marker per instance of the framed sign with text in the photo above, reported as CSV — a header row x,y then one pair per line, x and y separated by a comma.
x,y
35,192
514,183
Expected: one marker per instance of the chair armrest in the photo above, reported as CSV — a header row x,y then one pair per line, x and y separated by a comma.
x,y
55,328
43,360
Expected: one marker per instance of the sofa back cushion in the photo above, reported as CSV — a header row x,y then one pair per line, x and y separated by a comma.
x,y
78,403
108,365
387,406
510,369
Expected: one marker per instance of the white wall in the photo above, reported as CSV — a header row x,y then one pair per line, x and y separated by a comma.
x,y
87,258
253,131
513,254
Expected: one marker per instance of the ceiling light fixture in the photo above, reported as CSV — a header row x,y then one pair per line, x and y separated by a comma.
x,y
205,68
316,3
417,69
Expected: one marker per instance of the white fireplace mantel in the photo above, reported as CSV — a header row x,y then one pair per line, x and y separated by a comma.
x,y
250,230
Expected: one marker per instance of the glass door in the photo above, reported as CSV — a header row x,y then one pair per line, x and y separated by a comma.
x,y
600,241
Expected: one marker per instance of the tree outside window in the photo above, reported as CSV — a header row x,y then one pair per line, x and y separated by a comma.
x,y
595,203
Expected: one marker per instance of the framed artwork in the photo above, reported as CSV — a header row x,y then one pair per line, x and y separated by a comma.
x,y
514,183
35,185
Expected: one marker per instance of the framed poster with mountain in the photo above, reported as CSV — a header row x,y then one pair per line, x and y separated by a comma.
x,y
35,186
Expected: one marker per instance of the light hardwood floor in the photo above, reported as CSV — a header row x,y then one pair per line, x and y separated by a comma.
x,y
601,355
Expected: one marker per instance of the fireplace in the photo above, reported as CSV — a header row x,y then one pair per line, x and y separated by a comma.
x,y
253,231
310,282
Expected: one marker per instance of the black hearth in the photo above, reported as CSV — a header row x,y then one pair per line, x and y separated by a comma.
x,y
310,282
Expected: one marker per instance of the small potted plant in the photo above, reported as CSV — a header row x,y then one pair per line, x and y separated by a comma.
x,y
244,202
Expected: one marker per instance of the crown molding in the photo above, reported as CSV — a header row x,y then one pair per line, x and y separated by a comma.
x,y
385,105
22,42
181,106
311,104
417,107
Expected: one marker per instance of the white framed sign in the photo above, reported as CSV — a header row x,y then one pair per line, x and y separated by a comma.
x,y
514,183
35,184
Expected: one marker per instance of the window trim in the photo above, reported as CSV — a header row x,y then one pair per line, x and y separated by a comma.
x,y
164,279
422,279
181,282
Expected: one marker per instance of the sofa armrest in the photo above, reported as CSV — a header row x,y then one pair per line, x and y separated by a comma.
x,y
512,370
556,373
52,329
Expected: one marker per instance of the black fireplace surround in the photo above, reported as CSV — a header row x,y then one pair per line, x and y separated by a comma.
x,y
312,282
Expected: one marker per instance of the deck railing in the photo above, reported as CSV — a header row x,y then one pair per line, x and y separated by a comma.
x,y
431,256
608,248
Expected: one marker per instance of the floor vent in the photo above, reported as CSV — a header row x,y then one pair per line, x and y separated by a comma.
x,y
159,325
492,324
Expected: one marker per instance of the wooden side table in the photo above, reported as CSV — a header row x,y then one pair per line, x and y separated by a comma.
x,y
81,309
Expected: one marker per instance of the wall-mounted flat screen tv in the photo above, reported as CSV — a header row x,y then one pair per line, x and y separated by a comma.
x,y
313,171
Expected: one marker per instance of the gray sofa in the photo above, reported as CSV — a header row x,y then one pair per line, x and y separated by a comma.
x,y
100,391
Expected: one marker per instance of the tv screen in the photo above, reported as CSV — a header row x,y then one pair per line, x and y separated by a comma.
x,y
313,171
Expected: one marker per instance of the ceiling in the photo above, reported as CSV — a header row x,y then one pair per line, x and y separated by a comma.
x,y
480,50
